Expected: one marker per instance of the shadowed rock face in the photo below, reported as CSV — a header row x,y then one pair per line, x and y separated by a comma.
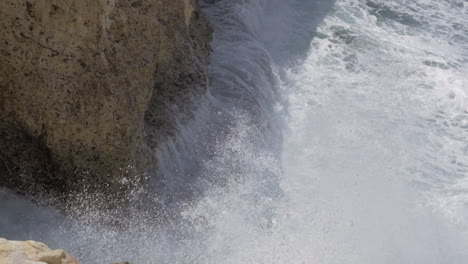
x,y
89,88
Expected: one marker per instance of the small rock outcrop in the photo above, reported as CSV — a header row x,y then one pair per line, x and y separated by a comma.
x,y
31,252
89,89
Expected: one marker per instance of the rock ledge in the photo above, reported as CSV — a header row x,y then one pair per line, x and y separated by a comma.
x,y
31,252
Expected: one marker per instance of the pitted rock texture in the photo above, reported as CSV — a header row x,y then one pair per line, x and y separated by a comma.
x,y
31,252
89,88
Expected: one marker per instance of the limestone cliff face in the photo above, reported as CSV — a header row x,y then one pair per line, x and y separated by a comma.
x,y
88,88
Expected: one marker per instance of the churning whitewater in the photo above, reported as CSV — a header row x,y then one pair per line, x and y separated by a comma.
x,y
331,132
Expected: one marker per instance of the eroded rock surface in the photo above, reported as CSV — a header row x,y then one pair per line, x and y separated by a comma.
x,y
31,252
88,89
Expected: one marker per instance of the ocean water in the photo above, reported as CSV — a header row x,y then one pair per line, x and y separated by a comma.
x,y
332,132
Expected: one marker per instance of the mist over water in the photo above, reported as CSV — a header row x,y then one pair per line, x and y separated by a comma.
x,y
331,132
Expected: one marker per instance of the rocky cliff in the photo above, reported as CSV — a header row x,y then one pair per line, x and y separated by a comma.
x,y
89,88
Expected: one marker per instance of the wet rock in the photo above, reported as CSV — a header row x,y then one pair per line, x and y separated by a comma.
x,y
89,89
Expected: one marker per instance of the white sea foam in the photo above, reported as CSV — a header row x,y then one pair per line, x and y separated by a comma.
x,y
332,132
